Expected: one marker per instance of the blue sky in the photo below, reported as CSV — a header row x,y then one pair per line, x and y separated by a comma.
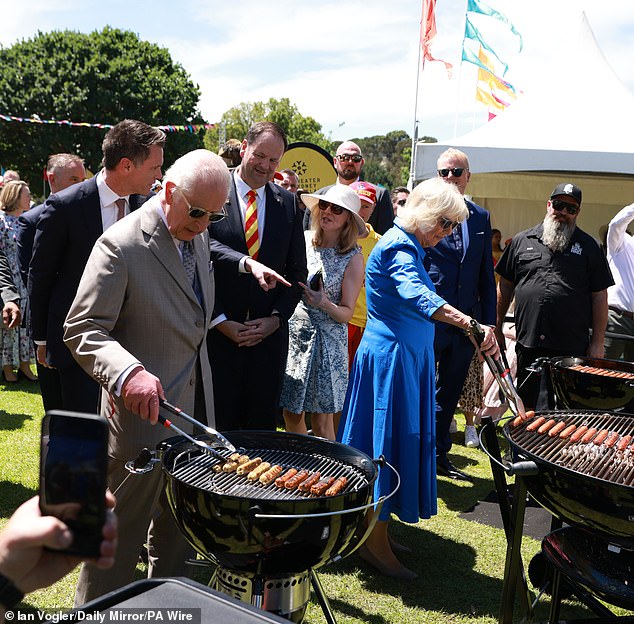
x,y
351,65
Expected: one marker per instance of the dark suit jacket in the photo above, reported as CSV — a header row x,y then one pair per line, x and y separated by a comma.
x,y
468,285
27,226
239,296
282,248
67,229
382,218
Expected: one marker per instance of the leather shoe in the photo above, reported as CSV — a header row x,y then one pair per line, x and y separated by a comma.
x,y
445,468
402,573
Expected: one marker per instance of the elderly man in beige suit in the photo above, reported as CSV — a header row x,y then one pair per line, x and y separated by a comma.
x,y
138,326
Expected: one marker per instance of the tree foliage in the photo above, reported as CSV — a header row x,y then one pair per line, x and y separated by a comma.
x,y
238,119
101,77
387,158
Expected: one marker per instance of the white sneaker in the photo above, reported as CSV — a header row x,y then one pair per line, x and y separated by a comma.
x,y
471,437
453,427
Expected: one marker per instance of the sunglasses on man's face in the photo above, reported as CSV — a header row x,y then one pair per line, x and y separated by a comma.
x,y
198,213
560,205
336,210
356,158
447,224
456,172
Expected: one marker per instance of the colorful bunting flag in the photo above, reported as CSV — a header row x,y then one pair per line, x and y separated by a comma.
x,y
166,128
428,32
477,6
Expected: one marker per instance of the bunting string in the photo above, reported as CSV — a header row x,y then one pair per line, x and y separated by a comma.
x,y
82,124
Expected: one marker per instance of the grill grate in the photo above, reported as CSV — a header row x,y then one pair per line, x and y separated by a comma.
x,y
195,467
600,461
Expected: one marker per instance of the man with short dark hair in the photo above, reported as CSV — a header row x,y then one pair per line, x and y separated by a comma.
x,y
348,162
62,171
69,225
289,181
399,196
249,341
559,277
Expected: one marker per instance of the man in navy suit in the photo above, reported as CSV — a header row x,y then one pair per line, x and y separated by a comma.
x,y
248,342
462,271
68,227
62,171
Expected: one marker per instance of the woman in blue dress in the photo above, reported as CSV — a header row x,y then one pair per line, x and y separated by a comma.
x,y
389,408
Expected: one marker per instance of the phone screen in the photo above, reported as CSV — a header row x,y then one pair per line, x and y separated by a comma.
x,y
73,468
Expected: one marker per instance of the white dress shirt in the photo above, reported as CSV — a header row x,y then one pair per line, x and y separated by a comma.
x,y
621,260
107,199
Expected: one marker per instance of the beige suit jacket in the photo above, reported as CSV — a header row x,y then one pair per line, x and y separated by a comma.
x,y
135,305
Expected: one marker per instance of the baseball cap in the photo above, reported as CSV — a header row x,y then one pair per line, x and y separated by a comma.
x,y
365,191
567,189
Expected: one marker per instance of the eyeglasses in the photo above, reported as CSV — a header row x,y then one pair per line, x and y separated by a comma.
x,y
198,213
559,205
401,202
356,158
456,172
447,224
337,210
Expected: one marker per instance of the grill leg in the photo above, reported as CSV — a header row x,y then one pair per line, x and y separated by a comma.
x,y
555,601
322,599
514,578
511,521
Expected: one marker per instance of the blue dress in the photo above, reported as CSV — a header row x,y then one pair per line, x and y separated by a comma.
x,y
389,406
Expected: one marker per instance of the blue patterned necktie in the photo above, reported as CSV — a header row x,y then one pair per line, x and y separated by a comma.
x,y
457,239
189,262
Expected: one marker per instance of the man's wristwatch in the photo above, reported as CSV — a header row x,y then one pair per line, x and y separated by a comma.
x,y
10,595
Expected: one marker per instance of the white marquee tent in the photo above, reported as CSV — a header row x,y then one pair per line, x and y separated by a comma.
x,y
575,126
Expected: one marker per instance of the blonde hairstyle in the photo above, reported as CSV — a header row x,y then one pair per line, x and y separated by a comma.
x,y
347,237
10,195
428,202
452,152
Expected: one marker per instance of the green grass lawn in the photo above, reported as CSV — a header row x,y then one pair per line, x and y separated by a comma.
x,y
460,563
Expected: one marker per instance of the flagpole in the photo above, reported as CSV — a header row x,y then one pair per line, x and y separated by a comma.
x,y
419,70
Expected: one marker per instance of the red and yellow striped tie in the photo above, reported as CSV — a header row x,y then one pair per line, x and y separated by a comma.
x,y
251,225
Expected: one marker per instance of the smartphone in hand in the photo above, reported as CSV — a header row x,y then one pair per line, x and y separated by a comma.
x,y
316,281
73,470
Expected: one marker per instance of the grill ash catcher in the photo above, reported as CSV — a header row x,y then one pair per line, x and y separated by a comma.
x,y
267,543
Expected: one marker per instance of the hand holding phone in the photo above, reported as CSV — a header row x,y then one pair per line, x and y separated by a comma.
x,y
316,281
73,471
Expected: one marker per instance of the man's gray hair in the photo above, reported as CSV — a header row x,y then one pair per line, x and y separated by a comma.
x,y
196,166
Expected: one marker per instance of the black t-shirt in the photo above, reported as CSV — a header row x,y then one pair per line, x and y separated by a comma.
x,y
553,290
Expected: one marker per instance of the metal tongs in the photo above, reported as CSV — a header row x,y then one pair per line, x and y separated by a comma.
x,y
502,373
217,439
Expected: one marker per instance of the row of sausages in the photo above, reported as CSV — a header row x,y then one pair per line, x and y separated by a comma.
x,y
605,372
582,434
263,472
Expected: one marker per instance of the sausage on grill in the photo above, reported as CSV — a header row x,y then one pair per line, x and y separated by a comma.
x,y
612,439
247,467
337,486
258,471
305,486
271,474
589,435
557,429
567,432
319,489
538,422
294,481
280,482
546,426
601,437
624,442
577,435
